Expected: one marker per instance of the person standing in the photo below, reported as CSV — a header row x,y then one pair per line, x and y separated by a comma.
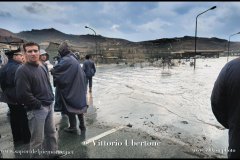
x,y
70,82
34,90
44,57
90,70
18,115
225,103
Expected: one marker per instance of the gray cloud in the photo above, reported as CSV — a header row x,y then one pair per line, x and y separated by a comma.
x,y
131,20
182,9
62,21
36,8
5,14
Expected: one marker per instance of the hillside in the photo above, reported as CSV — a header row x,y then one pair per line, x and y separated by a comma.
x,y
188,43
177,43
53,35
121,48
6,33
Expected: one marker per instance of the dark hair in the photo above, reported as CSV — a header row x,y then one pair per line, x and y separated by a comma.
x,y
10,53
88,56
30,44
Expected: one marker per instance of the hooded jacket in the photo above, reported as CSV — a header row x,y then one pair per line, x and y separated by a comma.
x,y
69,79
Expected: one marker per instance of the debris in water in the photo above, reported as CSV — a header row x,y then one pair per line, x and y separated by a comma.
x,y
184,122
129,125
125,117
153,138
219,127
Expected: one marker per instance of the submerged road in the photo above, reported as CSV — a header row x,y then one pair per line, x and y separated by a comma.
x,y
102,141
142,112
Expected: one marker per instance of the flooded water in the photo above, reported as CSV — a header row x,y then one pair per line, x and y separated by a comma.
x,y
172,103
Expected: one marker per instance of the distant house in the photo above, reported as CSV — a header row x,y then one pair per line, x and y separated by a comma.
x,y
110,60
44,45
3,58
11,40
5,47
191,53
52,50
8,43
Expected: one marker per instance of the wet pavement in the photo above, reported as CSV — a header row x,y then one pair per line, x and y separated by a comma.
x,y
162,115
125,142
120,143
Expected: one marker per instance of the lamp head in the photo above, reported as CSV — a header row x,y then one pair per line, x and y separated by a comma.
x,y
213,7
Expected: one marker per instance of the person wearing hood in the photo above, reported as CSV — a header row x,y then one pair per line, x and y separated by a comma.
x,y
18,114
70,81
44,57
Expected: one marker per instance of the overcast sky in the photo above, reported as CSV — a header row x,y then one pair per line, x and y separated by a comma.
x,y
134,21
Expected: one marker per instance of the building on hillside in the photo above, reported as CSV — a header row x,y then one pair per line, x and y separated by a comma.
x,y
191,53
44,45
13,41
6,44
52,50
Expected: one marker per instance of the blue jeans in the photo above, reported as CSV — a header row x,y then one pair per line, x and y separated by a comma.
x,y
43,131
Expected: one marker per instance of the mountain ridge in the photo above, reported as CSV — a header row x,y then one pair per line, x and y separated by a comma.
x,y
59,34
116,47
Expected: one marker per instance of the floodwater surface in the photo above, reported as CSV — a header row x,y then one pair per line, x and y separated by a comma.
x,y
171,103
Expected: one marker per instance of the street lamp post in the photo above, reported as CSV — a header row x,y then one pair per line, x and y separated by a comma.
x,y
95,39
196,34
229,43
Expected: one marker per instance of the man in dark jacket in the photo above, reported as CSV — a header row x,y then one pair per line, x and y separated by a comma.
x,y
90,70
34,90
18,115
225,103
69,79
